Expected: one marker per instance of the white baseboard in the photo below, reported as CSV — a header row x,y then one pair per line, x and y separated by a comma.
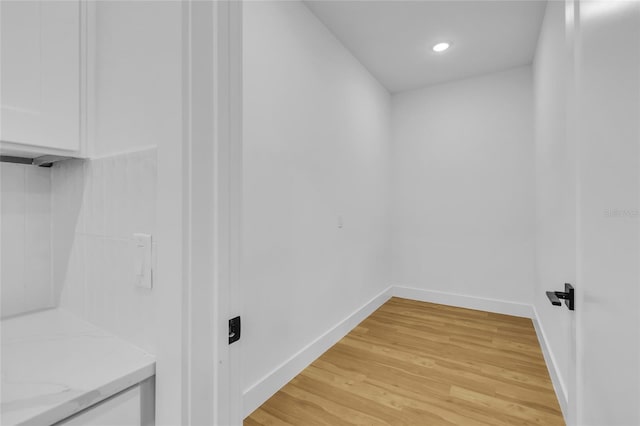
x,y
558,385
257,394
470,302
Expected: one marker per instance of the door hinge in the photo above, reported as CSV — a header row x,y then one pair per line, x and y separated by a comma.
x,y
234,329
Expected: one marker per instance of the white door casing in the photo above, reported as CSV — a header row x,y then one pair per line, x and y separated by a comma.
x,y
212,105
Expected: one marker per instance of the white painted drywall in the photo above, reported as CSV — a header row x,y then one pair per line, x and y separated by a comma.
x,y
555,189
139,103
316,132
135,140
463,187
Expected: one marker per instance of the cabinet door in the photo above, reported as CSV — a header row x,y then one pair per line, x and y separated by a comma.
x,y
123,409
40,73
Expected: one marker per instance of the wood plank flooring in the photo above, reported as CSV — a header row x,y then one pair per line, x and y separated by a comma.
x,y
416,363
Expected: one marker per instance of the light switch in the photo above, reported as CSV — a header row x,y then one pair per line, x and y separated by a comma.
x,y
143,271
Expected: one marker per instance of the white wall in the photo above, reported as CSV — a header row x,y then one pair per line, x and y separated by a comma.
x,y
25,235
463,187
139,104
316,128
555,190
132,184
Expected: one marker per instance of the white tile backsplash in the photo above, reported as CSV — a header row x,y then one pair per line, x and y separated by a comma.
x,y
25,234
69,273
66,240
97,206
94,201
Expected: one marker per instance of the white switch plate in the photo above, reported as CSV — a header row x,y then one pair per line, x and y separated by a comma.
x,y
143,270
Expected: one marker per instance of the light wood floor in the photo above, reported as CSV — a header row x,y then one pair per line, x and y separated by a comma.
x,y
415,363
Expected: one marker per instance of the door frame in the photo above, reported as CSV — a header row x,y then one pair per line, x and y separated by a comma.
x,y
212,207
572,19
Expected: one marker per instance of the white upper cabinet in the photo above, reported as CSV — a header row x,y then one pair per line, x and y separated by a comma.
x,y
40,63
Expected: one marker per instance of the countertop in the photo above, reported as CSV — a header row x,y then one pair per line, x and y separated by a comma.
x,y
55,364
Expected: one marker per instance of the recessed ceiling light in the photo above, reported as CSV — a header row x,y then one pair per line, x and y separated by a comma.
x,y
441,47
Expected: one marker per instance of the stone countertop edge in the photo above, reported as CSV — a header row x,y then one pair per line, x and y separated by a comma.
x,y
55,364
86,400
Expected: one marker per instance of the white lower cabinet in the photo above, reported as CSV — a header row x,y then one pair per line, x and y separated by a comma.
x,y
132,407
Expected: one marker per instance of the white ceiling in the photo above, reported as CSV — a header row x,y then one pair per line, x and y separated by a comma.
x,y
393,39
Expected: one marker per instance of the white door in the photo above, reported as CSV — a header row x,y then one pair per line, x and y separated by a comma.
x,y
40,73
607,127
